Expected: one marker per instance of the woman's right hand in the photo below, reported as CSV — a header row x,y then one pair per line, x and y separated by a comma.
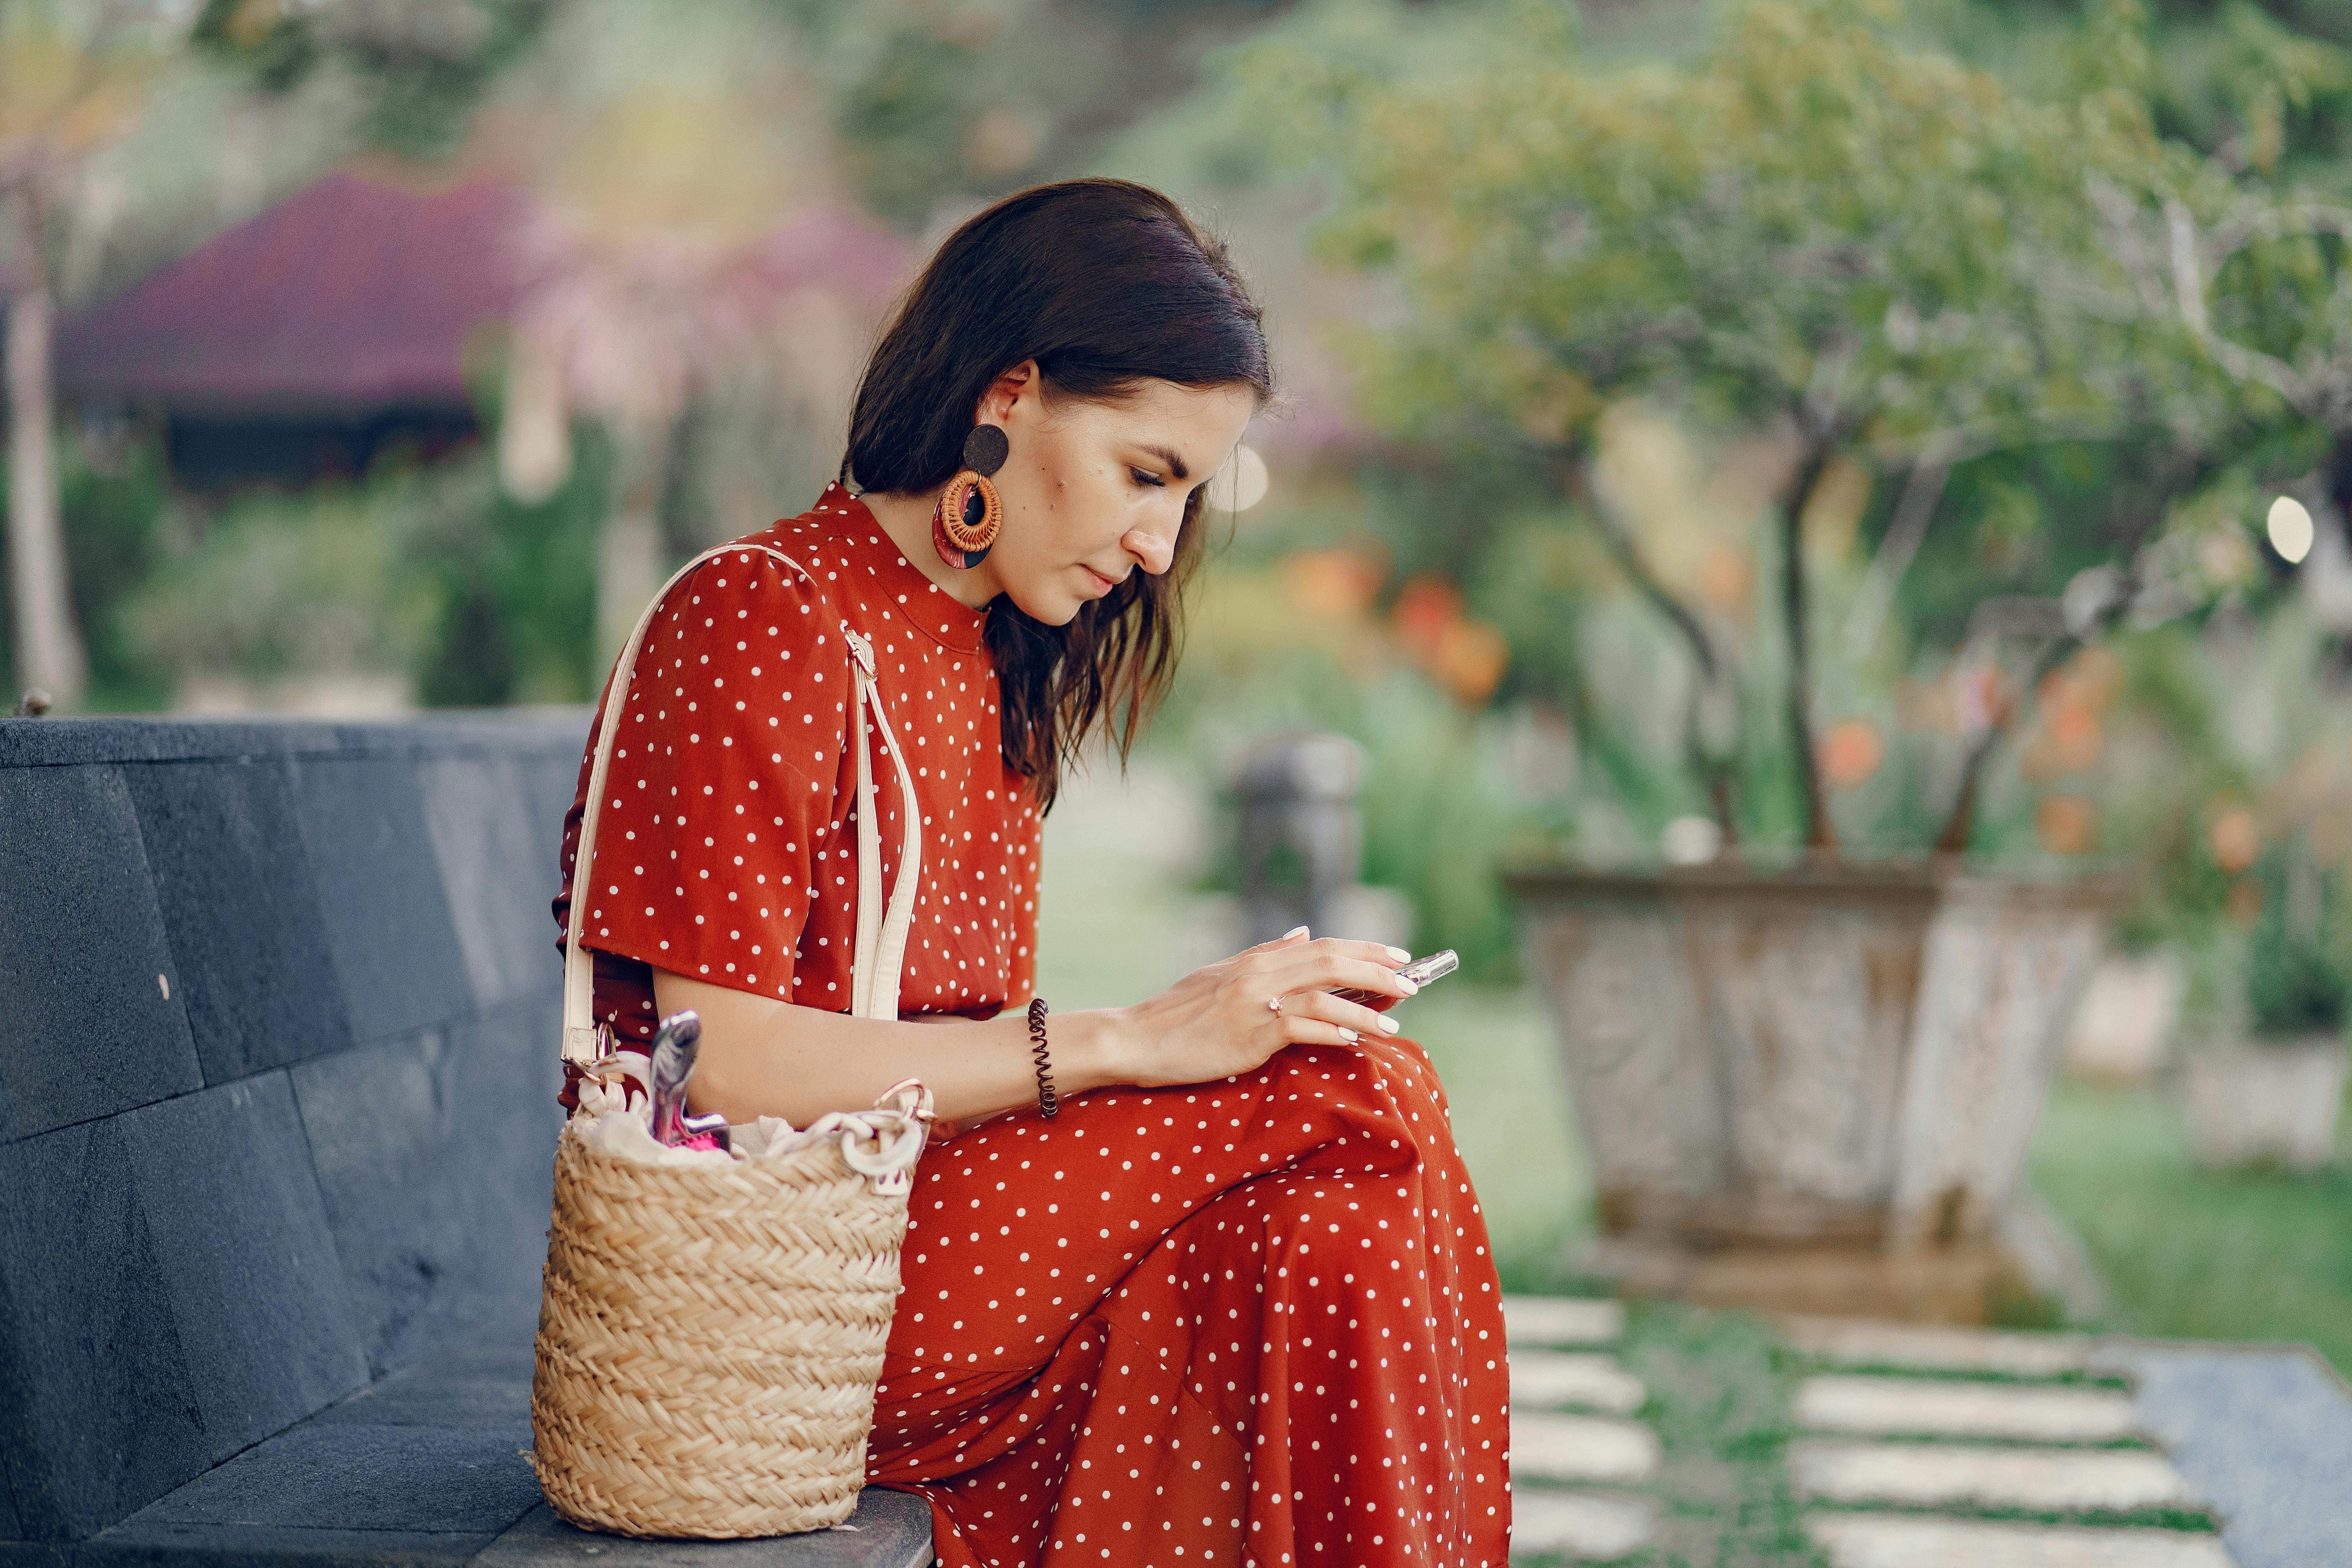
x,y
1216,1022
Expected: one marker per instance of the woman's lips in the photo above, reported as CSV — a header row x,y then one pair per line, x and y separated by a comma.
x,y
1105,584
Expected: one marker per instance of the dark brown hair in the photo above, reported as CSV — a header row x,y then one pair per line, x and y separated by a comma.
x,y
1107,285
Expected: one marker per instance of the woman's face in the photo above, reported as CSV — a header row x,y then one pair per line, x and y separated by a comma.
x,y
1095,490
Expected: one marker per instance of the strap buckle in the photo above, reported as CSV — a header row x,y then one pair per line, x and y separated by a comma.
x,y
583,1046
861,647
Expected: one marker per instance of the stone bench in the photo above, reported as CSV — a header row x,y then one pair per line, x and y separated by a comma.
x,y
279,1009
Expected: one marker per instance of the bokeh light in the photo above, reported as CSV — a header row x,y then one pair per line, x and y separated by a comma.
x,y
2290,529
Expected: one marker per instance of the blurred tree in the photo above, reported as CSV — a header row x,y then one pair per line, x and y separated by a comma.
x,y
939,105
417,68
73,79
1819,228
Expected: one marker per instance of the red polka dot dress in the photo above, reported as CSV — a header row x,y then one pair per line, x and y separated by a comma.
x,y
1246,1323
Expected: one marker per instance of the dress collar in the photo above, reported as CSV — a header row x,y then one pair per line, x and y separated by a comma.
x,y
887,579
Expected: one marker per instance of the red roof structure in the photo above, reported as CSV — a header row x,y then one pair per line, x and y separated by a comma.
x,y
354,296
348,295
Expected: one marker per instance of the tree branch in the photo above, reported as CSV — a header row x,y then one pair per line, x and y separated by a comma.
x,y
1923,490
1713,670
1820,834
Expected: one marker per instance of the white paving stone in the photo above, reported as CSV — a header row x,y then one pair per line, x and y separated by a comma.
x,y
1577,1523
1852,1342
1935,1407
1574,1377
1561,1320
1874,1540
1556,1447
1929,1474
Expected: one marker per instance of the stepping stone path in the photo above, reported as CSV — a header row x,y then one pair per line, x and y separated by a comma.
x,y
1947,1423
1544,1378
1570,1402
1890,1406
1579,1523
1859,1540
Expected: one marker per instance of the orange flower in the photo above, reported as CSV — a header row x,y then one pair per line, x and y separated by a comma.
x,y
2066,825
1336,583
2233,838
1471,658
1425,608
2069,740
1851,752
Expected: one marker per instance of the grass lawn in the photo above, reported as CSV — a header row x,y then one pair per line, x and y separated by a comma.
x,y
2195,1254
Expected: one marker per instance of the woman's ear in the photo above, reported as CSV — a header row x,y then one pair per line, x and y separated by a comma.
x,y
1011,396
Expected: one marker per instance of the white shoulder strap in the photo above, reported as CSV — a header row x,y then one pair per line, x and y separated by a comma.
x,y
880,951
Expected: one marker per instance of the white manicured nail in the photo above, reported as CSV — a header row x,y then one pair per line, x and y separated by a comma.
x,y
1351,1036
1411,986
1390,1025
1400,954
1293,930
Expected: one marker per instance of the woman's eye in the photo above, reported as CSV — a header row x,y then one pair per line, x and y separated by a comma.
x,y
1142,478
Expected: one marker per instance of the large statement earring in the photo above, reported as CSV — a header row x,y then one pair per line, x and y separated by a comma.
x,y
965,523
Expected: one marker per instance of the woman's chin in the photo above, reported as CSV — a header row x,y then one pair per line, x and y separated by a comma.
x,y
1051,607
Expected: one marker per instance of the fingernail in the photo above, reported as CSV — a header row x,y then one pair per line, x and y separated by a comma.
x,y
1411,988
1390,1025
1400,954
1351,1036
1293,930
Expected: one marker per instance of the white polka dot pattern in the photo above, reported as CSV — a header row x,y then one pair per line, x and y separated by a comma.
x,y
1250,1323
727,851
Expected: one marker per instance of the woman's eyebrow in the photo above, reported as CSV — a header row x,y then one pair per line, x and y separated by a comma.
x,y
1175,464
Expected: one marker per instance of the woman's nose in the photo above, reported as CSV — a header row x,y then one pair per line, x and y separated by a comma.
x,y
1151,552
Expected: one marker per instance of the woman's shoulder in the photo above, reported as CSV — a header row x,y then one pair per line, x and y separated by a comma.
x,y
764,590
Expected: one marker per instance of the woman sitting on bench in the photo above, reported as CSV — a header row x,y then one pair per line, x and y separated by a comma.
x,y
1201,1279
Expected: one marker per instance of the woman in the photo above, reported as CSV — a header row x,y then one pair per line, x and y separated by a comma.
x,y
1230,1301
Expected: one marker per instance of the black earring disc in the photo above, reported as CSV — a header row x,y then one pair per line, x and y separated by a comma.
x,y
985,450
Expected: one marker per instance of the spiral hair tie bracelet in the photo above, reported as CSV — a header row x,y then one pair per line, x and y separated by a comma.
x,y
1047,1102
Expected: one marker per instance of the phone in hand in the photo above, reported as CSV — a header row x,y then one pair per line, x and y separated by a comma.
x,y
1420,972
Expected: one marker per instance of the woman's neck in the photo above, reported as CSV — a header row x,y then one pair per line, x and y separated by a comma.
x,y
907,519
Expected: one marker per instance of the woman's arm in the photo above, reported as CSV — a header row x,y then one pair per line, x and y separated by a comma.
x,y
765,1057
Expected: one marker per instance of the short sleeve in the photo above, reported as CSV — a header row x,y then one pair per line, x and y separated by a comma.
x,y
720,800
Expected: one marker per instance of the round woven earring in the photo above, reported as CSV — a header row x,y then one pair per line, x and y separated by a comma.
x,y
965,523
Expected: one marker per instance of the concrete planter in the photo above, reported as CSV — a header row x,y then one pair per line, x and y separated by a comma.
x,y
1829,1059
2276,1101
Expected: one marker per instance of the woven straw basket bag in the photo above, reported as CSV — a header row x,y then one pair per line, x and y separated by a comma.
x,y
711,1330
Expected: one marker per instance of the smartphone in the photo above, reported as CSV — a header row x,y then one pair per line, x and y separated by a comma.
x,y
1420,972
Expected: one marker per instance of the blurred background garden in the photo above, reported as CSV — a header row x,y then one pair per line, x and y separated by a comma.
x,y
1829,429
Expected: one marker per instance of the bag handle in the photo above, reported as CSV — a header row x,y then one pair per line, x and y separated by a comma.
x,y
881,946
881,952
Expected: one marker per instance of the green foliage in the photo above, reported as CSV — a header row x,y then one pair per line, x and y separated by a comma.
x,y
938,108
1819,231
419,68
113,491
112,505
516,590
308,585
2299,955
1815,220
